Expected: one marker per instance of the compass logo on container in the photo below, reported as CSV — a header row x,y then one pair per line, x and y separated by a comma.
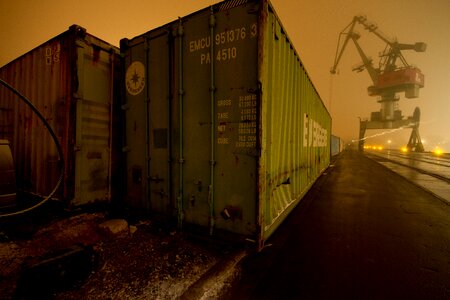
x,y
135,78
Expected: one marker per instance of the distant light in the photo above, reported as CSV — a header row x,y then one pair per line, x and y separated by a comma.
x,y
380,148
404,149
438,151
389,141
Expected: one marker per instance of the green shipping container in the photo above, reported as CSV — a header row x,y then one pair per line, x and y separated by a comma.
x,y
224,128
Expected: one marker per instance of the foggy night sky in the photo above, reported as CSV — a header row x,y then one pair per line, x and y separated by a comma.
x,y
312,25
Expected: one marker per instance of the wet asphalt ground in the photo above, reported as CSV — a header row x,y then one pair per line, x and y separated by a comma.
x,y
362,232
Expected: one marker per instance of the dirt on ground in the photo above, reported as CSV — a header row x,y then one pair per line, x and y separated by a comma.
x,y
74,258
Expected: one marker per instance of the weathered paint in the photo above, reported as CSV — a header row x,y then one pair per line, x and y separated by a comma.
x,y
223,125
70,79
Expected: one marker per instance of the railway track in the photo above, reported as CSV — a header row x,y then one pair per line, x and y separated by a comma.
x,y
427,170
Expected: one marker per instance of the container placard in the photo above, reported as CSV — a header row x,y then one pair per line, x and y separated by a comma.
x,y
135,78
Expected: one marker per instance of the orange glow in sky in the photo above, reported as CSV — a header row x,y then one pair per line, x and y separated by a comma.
x,y
312,25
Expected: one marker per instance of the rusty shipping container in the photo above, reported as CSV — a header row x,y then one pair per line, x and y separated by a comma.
x,y
71,81
224,128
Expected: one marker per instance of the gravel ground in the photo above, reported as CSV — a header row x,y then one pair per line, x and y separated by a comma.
x,y
146,262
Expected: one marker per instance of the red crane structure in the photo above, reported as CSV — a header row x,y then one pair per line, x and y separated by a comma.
x,y
392,75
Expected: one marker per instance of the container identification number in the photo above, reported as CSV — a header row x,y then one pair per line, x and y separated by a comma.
x,y
222,39
52,54
222,55
230,36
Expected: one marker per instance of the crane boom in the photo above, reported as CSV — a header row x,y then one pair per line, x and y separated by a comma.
x,y
340,49
388,76
366,61
372,27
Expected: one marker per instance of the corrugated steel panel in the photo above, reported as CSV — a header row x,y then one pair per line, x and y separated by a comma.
x,y
295,129
70,79
224,128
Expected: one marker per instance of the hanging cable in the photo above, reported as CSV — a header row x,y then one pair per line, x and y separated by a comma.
x,y
57,144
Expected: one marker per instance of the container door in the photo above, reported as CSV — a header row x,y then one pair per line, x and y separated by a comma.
x,y
148,82
93,123
221,118
159,104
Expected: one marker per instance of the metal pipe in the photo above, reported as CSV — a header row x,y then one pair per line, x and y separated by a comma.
x,y
180,99
212,24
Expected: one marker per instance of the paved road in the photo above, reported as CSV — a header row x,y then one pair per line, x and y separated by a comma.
x,y
426,170
363,232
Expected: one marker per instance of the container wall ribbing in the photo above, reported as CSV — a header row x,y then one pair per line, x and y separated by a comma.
x,y
295,126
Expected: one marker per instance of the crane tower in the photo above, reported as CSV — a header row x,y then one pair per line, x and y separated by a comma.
x,y
392,75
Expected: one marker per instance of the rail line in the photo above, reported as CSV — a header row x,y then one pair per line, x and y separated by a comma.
x,y
429,171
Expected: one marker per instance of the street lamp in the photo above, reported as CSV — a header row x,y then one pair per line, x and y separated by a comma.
x,y
389,143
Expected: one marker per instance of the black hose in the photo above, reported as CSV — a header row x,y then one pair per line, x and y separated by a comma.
x,y
57,144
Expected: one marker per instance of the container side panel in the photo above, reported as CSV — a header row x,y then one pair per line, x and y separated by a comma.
x,y
295,125
196,119
236,119
158,123
136,131
41,76
223,61
150,84
93,124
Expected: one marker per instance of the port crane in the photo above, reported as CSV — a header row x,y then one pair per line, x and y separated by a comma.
x,y
392,75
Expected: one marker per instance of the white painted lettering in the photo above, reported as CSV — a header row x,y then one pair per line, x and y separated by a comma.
x,y
314,135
